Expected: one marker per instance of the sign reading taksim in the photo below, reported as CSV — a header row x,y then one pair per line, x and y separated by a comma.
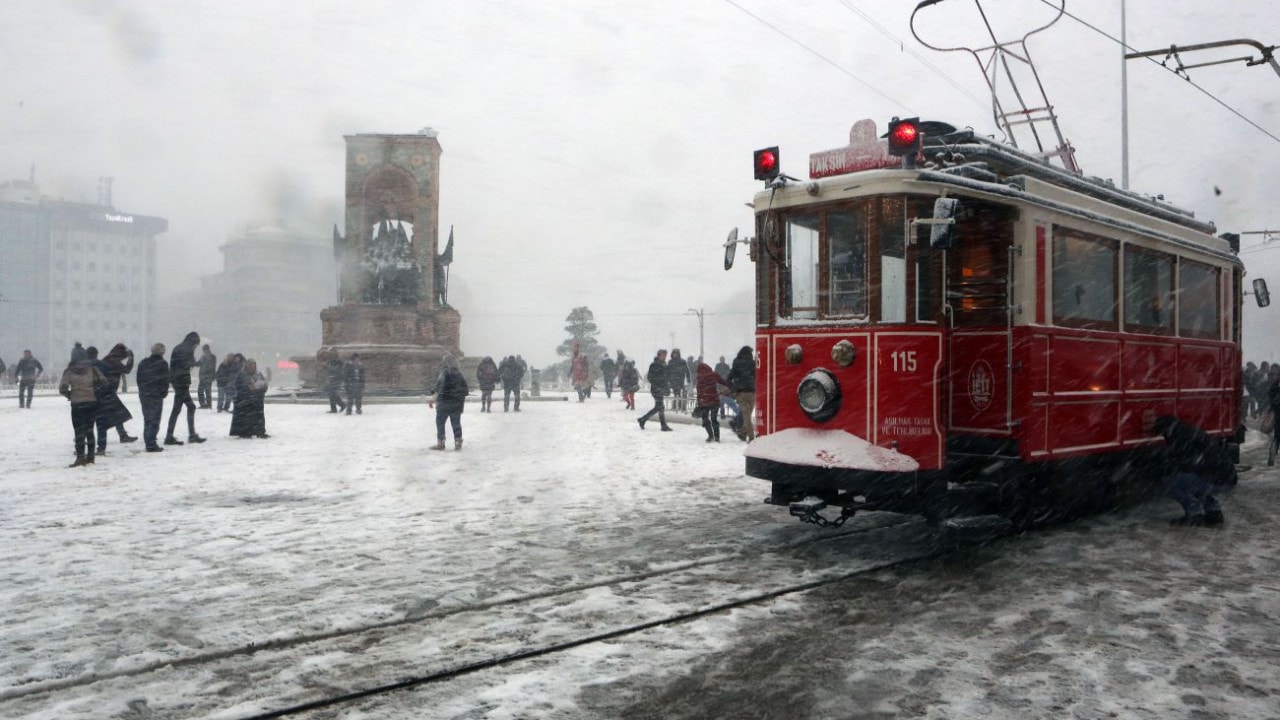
x,y
112,217
866,151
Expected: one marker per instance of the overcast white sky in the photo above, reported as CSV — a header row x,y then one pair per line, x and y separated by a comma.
x,y
595,152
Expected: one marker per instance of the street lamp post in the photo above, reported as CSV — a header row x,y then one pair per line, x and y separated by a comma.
x,y
701,325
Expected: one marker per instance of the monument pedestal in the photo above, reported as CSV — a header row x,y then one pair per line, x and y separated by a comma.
x,y
401,346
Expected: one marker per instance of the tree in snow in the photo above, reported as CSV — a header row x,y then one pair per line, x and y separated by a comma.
x,y
582,330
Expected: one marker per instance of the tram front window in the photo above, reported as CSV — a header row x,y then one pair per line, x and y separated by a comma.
x,y
802,261
848,247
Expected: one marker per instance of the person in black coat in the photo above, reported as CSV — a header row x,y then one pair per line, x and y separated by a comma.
x,y
657,377
629,383
677,378
181,360
608,371
511,373
334,372
742,382
487,377
248,419
111,412
1198,464
353,379
450,394
153,387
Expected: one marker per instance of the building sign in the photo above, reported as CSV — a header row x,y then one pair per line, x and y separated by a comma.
x,y
866,151
112,217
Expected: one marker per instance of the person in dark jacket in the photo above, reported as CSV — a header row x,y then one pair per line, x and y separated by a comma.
x,y
27,370
333,383
153,387
450,394
181,360
677,378
111,411
487,377
742,381
511,373
1199,464
629,383
353,379
608,371
225,377
249,419
657,377
79,384
707,406
722,369
208,364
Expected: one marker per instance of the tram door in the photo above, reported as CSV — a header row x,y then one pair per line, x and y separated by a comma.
x,y
977,287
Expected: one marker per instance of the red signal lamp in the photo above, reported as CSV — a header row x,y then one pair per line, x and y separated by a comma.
x,y
767,163
904,136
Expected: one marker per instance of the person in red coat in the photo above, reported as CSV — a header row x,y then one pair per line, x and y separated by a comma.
x,y
708,383
580,373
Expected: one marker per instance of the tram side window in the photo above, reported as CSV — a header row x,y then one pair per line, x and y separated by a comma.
x,y
847,238
801,292
1084,280
1148,291
1198,300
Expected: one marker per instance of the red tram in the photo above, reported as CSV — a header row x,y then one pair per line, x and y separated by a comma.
x,y
950,326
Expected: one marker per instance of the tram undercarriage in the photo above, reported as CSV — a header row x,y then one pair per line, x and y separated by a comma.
x,y
977,496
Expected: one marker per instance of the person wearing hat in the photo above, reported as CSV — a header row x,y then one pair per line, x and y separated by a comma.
x,y
181,360
153,387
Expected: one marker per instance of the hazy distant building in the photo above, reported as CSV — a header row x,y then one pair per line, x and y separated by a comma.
x,y
73,272
273,284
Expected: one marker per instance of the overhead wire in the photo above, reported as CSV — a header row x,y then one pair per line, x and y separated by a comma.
x,y
980,102
1191,82
819,55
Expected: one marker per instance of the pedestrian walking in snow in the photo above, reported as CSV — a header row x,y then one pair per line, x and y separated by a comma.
x,y
707,390
208,365
609,373
249,419
353,379
1199,467
181,360
28,371
742,381
579,372
629,383
511,373
153,387
722,369
449,397
657,377
487,378
111,411
333,383
677,378
79,384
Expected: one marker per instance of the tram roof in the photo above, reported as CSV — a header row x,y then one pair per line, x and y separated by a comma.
x,y
982,166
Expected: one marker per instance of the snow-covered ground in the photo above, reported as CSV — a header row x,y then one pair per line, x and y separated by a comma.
x,y
237,577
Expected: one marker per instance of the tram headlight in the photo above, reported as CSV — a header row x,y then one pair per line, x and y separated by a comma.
x,y
793,354
819,395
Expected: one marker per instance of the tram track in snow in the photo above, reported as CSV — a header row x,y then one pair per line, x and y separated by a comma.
x,y
669,582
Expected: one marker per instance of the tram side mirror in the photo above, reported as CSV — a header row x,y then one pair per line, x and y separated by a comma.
x,y
942,231
1260,292
730,247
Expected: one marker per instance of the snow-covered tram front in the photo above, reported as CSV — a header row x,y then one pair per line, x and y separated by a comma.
x,y
938,336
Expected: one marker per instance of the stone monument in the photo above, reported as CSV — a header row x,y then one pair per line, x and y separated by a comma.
x,y
392,285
